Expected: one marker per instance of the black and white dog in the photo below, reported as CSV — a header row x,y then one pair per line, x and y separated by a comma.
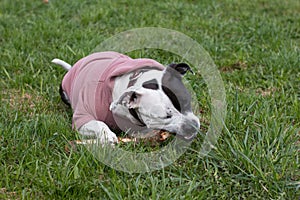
x,y
110,92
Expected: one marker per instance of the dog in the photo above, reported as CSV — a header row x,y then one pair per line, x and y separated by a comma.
x,y
110,92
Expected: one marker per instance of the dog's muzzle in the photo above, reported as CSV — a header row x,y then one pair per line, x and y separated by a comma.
x,y
189,129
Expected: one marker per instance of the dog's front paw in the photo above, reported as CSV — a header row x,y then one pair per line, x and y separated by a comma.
x,y
99,130
107,137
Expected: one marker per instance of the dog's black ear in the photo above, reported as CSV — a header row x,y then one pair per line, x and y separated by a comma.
x,y
182,68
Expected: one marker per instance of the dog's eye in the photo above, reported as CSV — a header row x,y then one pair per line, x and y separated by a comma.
x,y
172,97
152,84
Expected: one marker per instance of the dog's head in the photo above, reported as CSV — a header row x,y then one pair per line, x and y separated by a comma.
x,y
161,101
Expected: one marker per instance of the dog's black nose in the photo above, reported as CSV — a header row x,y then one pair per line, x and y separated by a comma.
x,y
189,129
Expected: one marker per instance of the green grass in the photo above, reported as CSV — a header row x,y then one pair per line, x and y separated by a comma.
x,y
255,44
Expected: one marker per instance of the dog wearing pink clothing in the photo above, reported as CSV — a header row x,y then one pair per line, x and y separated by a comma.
x,y
110,92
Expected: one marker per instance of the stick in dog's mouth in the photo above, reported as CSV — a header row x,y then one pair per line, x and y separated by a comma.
x,y
158,136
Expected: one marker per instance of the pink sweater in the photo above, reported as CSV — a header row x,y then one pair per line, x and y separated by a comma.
x,y
90,82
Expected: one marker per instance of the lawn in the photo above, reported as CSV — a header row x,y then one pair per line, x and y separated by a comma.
x,y
254,44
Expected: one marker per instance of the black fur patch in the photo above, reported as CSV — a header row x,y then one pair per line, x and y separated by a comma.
x,y
174,88
172,97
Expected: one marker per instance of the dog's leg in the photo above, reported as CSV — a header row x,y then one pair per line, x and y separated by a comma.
x,y
99,130
64,97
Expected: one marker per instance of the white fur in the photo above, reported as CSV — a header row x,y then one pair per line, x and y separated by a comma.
x,y
99,130
62,63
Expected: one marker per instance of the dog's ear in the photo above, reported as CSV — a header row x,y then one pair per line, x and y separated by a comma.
x,y
134,99
130,99
182,68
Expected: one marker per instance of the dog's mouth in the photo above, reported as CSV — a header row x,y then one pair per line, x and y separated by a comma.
x,y
138,116
133,112
186,137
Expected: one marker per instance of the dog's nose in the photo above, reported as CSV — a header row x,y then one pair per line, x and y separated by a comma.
x,y
190,129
